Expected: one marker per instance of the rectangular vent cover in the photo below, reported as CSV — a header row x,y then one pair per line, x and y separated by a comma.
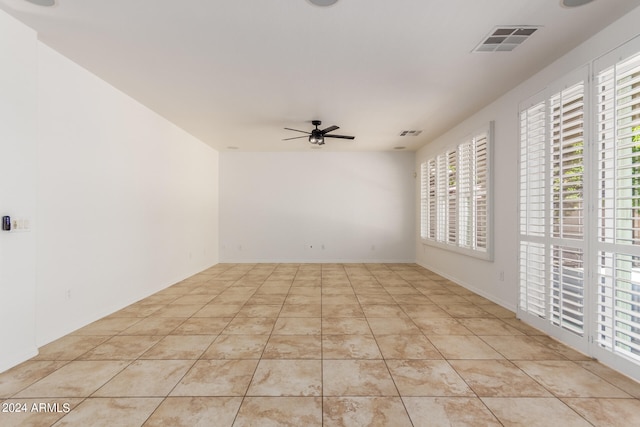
x,y
410,132
505,39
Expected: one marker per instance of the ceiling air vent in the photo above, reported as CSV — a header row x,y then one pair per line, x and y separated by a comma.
x,y
505,39
410,132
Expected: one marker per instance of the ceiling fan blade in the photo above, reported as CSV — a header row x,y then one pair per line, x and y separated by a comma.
x,y
296,137
340,136
330,129
296,130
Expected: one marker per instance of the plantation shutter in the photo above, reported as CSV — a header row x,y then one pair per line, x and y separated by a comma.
x,y
424,200
552,209
455,197
452,198
618,207
567,208
432,217
533,261
465,196
480,185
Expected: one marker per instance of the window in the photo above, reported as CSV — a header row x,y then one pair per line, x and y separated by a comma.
x,y
552,208
618,207
579,203
455,197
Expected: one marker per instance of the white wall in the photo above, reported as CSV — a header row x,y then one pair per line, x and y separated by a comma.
x,y
360,206
127,202
482,276
18,108
121,203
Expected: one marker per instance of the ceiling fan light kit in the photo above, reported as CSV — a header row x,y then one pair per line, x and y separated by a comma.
x,y
317,136
575,3
45,3
323,3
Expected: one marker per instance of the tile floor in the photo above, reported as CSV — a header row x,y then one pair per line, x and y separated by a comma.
x,y
309,345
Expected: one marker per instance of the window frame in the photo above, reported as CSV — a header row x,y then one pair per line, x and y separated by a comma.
x,y
440,177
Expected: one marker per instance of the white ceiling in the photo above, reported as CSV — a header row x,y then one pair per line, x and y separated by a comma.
x,y
236,72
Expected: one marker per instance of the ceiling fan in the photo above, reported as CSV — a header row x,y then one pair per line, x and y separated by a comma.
x,y
317,136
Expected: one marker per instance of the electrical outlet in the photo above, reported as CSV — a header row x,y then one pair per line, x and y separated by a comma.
x,y
501,275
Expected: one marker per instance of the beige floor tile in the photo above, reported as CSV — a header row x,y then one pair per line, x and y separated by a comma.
x,y
341,310
375,299
25,374
449,412
195,412
339,299
75,379
280,411
345,325
166,296
607,412
499,312
301,310
560,348
522,348
384,310
357,378
179,347
154,326
523,327
364,411
303,299
121,348
390,326
484,326
337,291
463,347
448,299
350,347
533,412
236,347
216,378
249,326
108,412
146,378
266,299
107,326
198,299
178,310
293,347
567,379
498,378
427,378
441,326
407,347
465,310
202,326
412,299
616,378
298,326
69,347
218,310
287,378
424,311
260,310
